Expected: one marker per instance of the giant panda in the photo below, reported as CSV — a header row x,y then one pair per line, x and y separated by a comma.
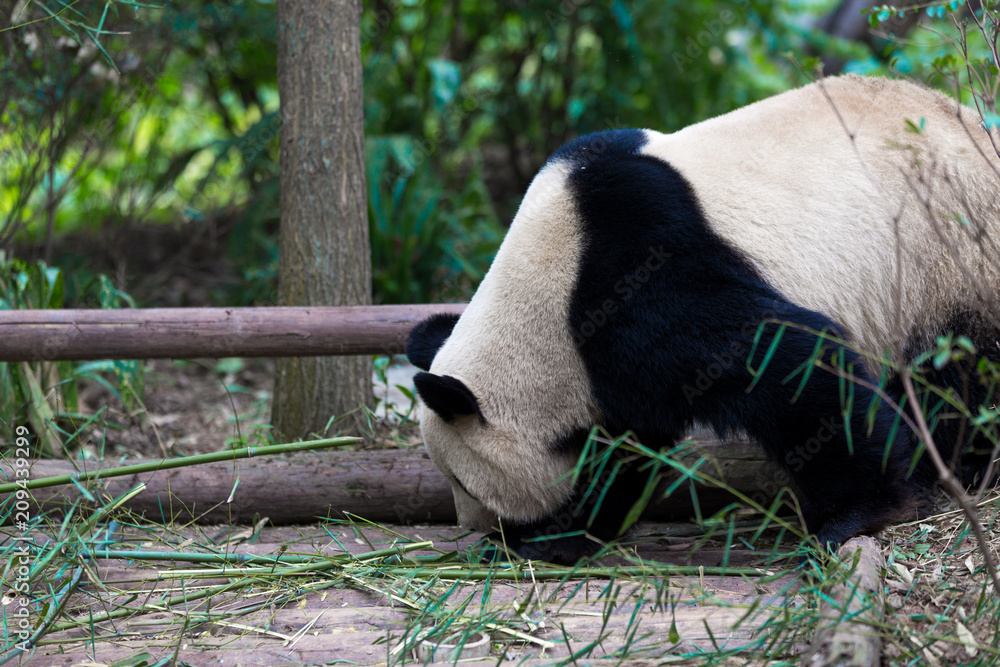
x,y
650,281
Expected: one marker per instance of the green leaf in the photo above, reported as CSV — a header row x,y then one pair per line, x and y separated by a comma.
x,y
643,502
41,416
991,120
134,661
67,386
229,365
445,80
674,636
56,292
107,292
131,383
82,490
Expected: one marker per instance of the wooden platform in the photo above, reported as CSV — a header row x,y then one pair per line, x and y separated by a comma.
x,y
356,623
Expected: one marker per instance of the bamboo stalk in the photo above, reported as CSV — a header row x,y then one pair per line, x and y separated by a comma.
x,y
318,566
517,574
449,572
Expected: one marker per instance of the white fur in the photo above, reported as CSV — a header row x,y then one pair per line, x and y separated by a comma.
x,y
512,347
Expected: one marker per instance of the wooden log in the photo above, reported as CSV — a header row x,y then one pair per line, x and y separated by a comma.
x,y
184,333
383,485
851,616
399,486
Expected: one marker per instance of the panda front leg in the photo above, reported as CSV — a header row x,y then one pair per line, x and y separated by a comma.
x,y
692,366
850,459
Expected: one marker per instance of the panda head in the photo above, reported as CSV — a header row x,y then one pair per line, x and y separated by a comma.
x,y
505,398
501,472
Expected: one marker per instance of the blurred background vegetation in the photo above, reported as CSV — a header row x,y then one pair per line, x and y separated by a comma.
x,y
140,141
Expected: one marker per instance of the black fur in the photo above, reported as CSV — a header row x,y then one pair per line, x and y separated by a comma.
x,y
447,396
571,442
599,148
427,337
966,447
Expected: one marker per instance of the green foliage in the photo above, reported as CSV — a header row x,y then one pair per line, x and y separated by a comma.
x,y
515,82
468,98
32,392
426,243
165,114
115,114
43,394
960,356
955,48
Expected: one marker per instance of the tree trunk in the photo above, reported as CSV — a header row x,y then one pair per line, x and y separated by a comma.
x,y
325,259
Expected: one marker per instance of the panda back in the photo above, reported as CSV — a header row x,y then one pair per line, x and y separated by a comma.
x,y
819,186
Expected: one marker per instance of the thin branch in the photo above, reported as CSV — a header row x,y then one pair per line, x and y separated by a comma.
x,y
948,479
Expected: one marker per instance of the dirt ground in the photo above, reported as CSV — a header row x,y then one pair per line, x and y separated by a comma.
x,y
193,407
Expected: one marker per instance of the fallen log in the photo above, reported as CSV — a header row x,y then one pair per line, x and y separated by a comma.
x,y
399,486
185,333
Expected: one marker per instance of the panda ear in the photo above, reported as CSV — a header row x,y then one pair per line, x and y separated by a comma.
x,y
447,396
427,338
